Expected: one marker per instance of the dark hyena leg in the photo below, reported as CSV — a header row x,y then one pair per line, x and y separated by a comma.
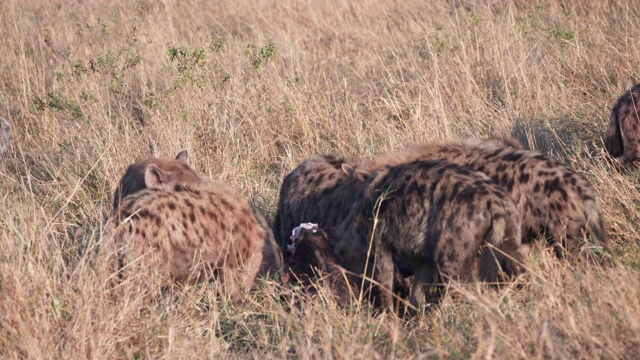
x,y
559,241
631,156
630,127
426,275
575,239
384,274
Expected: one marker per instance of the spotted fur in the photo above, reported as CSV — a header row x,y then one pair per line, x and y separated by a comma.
x,y
320,190
551,197
189,231
435,214
622,139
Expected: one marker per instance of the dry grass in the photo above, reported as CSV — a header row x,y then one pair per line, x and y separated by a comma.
x,y
251,88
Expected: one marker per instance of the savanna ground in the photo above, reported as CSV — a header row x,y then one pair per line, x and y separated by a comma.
x,y
251,88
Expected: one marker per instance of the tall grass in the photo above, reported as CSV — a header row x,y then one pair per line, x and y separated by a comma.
x,y
251,88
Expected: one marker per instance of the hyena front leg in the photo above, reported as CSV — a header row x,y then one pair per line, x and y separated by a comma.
x,y
384,274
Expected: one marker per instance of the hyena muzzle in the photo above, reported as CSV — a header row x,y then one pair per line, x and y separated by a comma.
x,y
312,261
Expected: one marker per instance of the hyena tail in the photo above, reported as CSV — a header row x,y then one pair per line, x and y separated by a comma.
x,y
613,137
502,250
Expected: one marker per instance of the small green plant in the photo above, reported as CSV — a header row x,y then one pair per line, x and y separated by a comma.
x,y
78,68
561,33
87,96
189,64
151,100
217,43
293,81
57,102
262,56
286,105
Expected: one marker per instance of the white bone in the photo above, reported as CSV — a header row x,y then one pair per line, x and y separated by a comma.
x,y
295,234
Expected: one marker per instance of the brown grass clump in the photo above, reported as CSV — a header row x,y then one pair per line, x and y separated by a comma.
x,y
251,88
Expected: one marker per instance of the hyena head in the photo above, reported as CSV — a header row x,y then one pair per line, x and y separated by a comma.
x,y
150,173
310,249
351,245
314,262
352,252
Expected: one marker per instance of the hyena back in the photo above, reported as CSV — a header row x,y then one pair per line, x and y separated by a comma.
x,y
190,231
320,190
622,138
437,216
551,197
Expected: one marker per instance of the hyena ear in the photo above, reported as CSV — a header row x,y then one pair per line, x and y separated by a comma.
x,y
359,175
183,156
154,176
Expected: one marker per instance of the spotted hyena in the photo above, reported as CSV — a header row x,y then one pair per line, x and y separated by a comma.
x,y
622,138
165,169
312,261
188,229
552,198
435,214
320,190
5,138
